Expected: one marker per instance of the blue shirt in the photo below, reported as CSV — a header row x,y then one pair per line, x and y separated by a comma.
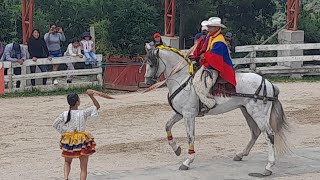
x,y
198,36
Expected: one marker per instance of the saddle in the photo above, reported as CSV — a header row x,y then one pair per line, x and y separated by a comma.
x,y
221,88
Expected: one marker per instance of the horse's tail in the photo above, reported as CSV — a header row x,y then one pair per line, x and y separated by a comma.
x,y
279,124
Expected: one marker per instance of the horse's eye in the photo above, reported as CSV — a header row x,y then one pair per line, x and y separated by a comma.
x,y
151,65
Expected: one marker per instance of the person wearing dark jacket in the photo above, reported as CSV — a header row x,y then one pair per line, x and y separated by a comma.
x,y
37,48
157,40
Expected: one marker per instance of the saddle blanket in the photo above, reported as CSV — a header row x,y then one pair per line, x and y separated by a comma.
x,y
223,89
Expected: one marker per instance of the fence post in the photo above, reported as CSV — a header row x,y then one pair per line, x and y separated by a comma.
x,y
253,65
1,79
99,76
23,72
10,74
93,35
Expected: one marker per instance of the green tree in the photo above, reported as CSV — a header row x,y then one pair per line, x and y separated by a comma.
x,y
123,26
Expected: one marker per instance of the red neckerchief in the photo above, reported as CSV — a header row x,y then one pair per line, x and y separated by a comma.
x,y
206,44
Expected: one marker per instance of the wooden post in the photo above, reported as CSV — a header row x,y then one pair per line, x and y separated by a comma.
x,y
99,76
10,72
253,65
1,79
23,72
93,35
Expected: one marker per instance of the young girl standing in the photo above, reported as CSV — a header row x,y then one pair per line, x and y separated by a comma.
x,y
75,141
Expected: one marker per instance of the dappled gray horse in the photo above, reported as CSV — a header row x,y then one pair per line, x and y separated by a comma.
x,y
256,97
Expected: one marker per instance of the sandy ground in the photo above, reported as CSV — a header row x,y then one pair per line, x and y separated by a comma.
x,y
130,133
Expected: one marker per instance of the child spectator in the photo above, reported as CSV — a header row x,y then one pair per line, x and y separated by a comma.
x,y
74,49
75,141
88,49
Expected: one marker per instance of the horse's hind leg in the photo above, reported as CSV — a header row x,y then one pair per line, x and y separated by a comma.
x,y
262,117
173,120
269,135
271,155
255,133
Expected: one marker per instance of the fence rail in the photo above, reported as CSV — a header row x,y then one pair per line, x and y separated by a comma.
x,y
95,73
286,65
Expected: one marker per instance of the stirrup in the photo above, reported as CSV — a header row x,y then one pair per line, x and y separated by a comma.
x,y
203,110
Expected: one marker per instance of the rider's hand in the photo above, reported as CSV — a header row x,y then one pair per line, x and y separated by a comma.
x,y
201,56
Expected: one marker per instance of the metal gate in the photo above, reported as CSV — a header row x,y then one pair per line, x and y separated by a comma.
x,y
123,74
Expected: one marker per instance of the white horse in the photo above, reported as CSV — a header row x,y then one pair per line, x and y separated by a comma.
x,y
257,98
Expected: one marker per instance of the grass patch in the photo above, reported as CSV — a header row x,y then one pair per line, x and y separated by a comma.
x,y
57,92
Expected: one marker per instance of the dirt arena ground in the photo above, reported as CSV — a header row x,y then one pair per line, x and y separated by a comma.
x,y
130,133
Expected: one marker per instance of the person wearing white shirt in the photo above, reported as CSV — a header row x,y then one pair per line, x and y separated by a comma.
x,y
76,141
74,49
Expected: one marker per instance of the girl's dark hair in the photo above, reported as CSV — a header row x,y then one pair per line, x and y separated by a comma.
x,y
52,24
34,31
72,99
74,40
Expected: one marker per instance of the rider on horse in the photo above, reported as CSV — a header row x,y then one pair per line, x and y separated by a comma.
x,y
215,60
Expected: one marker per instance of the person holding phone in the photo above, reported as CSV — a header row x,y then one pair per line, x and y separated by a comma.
x,y
53,39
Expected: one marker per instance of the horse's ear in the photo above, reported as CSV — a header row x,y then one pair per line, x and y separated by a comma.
x,y
147,46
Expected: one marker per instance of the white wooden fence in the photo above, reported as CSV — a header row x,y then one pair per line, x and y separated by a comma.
x,y
283,66
94,75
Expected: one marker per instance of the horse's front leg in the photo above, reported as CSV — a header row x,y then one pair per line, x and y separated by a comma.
x,y
173,120
190,127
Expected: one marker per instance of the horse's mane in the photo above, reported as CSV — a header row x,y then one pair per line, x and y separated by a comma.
x,y
175,50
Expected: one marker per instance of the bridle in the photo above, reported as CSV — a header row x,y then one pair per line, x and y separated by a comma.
x,y
153,59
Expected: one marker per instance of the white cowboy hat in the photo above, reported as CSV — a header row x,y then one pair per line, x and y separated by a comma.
x,y
204,28
213,22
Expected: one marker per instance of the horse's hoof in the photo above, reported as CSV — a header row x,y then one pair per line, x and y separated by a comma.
x,y
183,167
178,151
237,158
260,175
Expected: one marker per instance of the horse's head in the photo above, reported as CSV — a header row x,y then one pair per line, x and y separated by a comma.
x,y
154,67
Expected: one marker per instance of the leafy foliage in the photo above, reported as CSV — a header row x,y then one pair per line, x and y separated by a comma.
x,y
122,26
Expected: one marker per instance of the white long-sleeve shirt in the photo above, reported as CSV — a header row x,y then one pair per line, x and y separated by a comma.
x,y
71,51
87,45
77,122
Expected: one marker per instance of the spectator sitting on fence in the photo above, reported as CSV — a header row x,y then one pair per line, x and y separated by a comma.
x,y
74,49
14,52
53,40
229,42
157,40
38,49
88,49
1,47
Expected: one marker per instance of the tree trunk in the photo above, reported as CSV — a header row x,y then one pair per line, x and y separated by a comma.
x,y
182,24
